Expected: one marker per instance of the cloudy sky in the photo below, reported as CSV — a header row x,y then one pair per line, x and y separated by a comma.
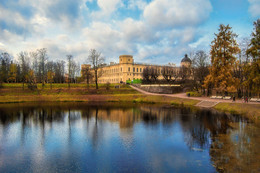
x,y
153,31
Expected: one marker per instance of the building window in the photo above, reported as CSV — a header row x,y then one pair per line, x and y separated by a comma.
x,y
128,59
133,69
121,69
140,70
121,59
136,69
128,68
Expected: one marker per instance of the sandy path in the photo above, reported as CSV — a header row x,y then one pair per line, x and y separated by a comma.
x,y
183,95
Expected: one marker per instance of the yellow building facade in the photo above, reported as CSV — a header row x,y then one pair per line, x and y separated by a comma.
x,y
126,69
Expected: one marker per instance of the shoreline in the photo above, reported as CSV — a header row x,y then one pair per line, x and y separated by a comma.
x,y
78,93
251,111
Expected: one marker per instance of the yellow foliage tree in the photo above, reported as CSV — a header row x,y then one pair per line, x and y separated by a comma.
x,y
12,73
50,76
223,51
252,70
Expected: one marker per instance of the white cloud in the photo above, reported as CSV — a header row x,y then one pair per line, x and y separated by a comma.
x,y
164,31
254,8
136,31
133,4
107,8
176,13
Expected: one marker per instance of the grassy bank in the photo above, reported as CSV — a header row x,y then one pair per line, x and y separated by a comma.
x,y
14,93
251,111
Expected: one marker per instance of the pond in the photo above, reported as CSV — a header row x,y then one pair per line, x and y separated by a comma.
x,y
75,137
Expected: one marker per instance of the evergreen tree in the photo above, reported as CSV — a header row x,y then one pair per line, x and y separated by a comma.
x,y
223,51
252,70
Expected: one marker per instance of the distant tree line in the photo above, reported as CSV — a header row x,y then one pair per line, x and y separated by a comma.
x,y
35,67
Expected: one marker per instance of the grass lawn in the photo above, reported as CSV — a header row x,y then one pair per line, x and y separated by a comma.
x,y
252,111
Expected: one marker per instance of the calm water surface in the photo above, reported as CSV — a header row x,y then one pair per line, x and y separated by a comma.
x,y
109,138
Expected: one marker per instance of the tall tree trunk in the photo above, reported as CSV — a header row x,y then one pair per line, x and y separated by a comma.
x,y
96,79
69,83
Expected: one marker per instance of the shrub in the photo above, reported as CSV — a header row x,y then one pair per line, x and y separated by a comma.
x,y
107,86
193,94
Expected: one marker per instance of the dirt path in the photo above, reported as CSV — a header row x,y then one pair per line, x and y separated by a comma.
x,y
205,101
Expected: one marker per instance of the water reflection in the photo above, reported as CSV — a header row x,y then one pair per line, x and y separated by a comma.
x,y
105,138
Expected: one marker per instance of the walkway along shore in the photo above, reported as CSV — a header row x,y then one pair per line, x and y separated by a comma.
x,y
205,101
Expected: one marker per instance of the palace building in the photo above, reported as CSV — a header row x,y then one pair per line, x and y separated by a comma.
x,y
127,70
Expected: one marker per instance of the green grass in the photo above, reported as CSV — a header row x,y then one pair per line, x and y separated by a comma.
x,y
194,94
251,111
62,89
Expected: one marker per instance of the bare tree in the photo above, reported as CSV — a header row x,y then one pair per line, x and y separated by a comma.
x,y
170,74
96,61
146,75
184,72
70,67
200,67
4,67
59,71
24,65
42,55
154,73
50,72
35,64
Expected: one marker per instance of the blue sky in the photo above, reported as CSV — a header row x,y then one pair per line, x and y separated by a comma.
x,y
153,31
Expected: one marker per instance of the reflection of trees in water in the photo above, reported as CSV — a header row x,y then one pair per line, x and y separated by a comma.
x,y
231,140
203,125
149,118
196,134
7,116
237,150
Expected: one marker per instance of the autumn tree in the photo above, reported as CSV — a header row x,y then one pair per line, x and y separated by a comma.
x,y
12,75
86,74
223,51
252,70
30,79
96,61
